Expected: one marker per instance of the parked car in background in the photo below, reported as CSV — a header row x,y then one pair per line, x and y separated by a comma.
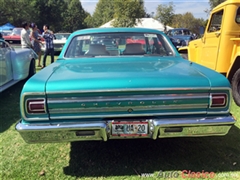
x,y
181,34
178,42
179,31
130,91
6,32
186,38
14,37
59,42
16,64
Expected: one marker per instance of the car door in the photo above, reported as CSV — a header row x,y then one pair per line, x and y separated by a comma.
x,y
211,40
5,63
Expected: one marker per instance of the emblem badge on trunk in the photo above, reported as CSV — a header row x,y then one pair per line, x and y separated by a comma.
x,y
130,110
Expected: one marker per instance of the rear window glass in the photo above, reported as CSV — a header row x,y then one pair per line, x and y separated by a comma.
x,y
119,44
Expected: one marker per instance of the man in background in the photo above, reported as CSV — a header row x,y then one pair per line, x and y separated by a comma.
x,y
25,39
1,36
48,36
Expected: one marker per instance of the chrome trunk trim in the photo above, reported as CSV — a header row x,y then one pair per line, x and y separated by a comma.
x,y
162,97
125,109
127,105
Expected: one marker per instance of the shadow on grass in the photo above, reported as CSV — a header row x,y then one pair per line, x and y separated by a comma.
x,y
133,157
9,106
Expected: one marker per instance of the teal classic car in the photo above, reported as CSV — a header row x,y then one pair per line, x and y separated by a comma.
x,y
130,89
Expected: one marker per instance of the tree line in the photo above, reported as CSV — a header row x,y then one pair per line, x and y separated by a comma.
x,y
69,15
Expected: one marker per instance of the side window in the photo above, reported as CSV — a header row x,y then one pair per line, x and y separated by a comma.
x,y
216,22
169,33
238,16
85,45
74,49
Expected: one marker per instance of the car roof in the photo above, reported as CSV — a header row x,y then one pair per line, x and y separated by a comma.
x,y
113,30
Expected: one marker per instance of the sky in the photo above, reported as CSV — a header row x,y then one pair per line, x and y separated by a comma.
x,y
196,7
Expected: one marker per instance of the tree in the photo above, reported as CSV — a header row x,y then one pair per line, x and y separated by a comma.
x,y
148,15
214,3
187,20
103,13
128,12
88,21
61,15
165,14
49,12
74,16
15,11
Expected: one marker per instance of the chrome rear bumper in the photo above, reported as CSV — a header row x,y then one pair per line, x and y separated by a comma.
x,y
101,130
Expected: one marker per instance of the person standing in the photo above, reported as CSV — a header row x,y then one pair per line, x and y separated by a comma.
x,y
36,42
48,36
1,37
25,39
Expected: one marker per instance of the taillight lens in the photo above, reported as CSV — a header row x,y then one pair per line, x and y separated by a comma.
x,y
35,106
218,100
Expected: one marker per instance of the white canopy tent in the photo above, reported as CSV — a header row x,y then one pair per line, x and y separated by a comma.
x,y
144,23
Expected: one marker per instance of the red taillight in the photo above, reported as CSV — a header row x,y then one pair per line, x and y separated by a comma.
x,y
218,100
36,106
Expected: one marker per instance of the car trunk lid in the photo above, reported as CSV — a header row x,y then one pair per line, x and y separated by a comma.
x,y
132,87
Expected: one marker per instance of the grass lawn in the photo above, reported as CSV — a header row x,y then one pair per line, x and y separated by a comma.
x,y
116,159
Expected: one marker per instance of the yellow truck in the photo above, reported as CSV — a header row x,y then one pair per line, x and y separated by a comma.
x,y
219,47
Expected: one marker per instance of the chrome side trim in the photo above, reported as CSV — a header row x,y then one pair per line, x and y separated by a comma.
x,y
33,94
219,112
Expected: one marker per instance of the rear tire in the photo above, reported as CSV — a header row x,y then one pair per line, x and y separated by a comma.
x,y
32,68
236,87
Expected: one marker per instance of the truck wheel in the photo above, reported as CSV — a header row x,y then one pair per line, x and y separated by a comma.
x,y
184,55
32,69
236,87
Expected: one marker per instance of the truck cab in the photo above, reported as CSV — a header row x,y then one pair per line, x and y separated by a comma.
x,y
219,47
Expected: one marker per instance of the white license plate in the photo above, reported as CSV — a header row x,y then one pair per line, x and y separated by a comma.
x,y
129,128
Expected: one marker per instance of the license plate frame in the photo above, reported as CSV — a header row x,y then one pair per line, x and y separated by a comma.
x,y
130,128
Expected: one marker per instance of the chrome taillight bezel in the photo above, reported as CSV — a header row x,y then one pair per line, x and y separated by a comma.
x,y
35,101
213,96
